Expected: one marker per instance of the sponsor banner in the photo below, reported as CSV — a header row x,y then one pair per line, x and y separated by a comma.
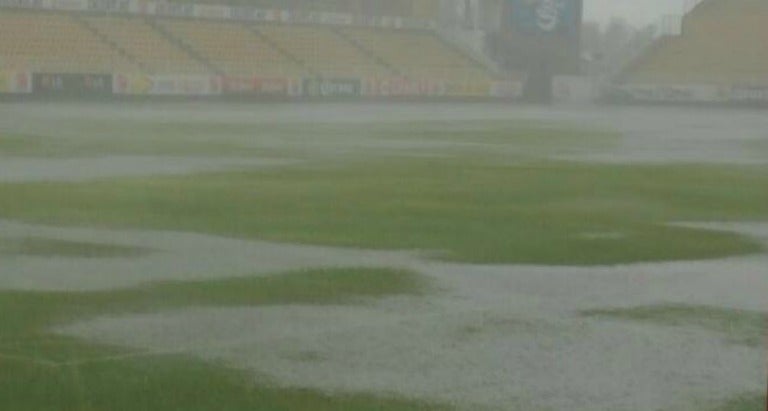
x,y
117,6
403,87
70,5
342,87
143,7
72,84
749,94
561,17
669,93
24,4
507,89
175,9
414,23
468,89
211,11
131,84
249,13
258,86
339,19
167,85
574,89
15,83
295,87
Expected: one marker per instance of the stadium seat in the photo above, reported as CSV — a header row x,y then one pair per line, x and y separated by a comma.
x,y
54,42
717,47
233,48
152,51
323,51
419,54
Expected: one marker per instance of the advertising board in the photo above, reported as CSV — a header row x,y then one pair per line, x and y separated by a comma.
x,y
403,87
72,84
256,86
15,83
167,85
537,17
332,87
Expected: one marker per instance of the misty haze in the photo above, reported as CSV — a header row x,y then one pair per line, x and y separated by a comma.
x,y
383,205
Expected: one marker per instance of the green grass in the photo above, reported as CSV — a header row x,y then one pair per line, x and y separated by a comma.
x,y
465,209
750,401
44,372
159,142
737,326
33,311
759,144
47,247
93,137
167,384
745,402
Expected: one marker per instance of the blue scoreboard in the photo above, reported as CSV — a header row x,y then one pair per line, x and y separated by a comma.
x,y
545,17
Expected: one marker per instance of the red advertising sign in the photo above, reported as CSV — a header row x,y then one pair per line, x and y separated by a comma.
x,y
266,86
403,87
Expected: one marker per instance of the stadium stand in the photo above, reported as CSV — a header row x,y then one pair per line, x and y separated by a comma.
x,y
159,53
148,47
323,51
233,48
418,54
52,42
723,42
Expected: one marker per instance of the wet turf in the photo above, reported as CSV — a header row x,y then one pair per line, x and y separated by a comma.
x,y
47,247
466,209
41,372
736,326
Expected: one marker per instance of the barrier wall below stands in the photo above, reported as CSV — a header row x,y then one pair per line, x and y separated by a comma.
x,y
220,12
68,84
250,86
167,85
15,82
690,94
332,88
402,87
133,84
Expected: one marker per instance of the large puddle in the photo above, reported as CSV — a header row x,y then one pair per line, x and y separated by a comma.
x,y
648,135
496,336
18,169
506,337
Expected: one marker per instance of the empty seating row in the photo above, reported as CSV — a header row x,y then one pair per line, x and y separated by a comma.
x,y
417,53
323,51
68,42
233,48
55,42
152,51
718,46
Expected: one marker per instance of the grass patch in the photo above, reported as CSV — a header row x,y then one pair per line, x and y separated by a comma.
x,y
167,384
737,326
34,311
47,247
520,133
463,209
42,372
161,142
759,144
745,402
210,138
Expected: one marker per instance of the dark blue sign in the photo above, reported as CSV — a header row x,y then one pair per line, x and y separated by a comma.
x,y
560,17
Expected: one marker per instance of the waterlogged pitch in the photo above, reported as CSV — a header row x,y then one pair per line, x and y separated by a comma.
x,y
462,209
486,241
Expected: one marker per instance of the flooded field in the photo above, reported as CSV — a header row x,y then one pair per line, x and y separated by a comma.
x,y
574,258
